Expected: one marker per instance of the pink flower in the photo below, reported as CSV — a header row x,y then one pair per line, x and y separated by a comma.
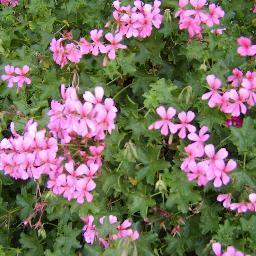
x,y
84,186
213,96
192,153
221,172
89,229
239,98
97,45
9,70
21,78
85,46
249,88
165,124
191,25
114,44
214,159
198,172
215,13
236,78
245,47
199,138
225,199
73,53
182,5
216,247
184,126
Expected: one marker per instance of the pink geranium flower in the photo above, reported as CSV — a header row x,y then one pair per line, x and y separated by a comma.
x,y
21,78
215,13
9,76
213,96
114,44
199,138
238,99
97,46
245,47
184,126
165,123
225,199
236,78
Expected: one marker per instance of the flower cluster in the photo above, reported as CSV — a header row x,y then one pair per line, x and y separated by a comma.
x,y
193,16
89,120
238,98
137,20
16,75
73,183
202,163
11,3
130,21
238,207
91,232
246,48
29,155
231,251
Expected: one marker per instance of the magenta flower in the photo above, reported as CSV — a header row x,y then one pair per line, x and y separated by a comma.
x,y
213,96
21,78
184,126
245,47
114,44
165,123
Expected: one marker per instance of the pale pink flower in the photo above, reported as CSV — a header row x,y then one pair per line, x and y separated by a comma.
x,y
73,53
191,24
21,78
9,76
213,96
192,153
249,88
216,247
184,126
85,46
198,172
97,45
114,44
182,5
165,123
245,47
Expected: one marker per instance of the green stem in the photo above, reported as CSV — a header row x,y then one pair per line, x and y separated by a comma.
x,y
244,162
123,89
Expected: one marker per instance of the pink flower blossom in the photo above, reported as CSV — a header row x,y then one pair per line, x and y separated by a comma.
x,y
97,46
237,77
199,138
215,13
114,44
165,123
237,106
245,47
21,78
225,199
213,96
9,70
184,126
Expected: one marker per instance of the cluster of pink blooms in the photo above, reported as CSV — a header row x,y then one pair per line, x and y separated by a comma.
x,y
11,3
137,20
238,207
16,75
131,21
234,101
203,163
91,232
231,251
193,16
89,119
35,153
246,48
29,155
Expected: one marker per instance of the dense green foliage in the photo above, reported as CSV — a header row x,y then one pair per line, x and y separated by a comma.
x,y
141,177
